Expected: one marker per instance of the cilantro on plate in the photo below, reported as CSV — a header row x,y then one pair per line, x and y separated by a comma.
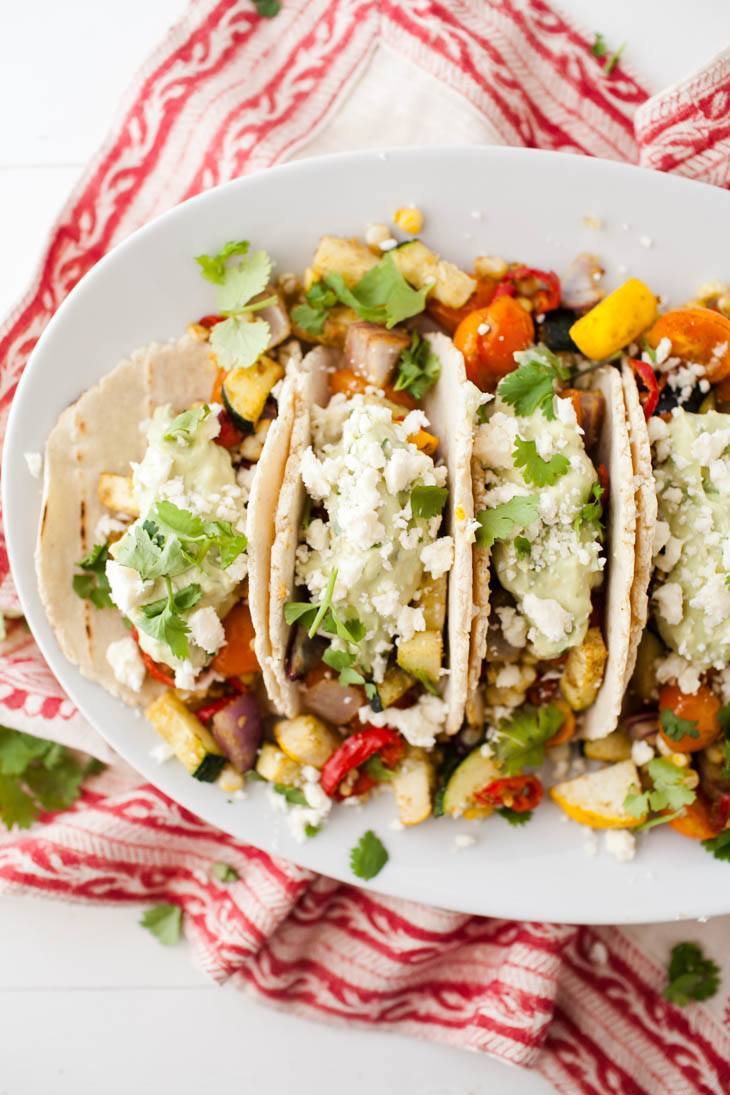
x,y
166,624
690,976
37,775
669,791
213,267
514,817
535,470
676,728
293,795
501,522
719,846
418,368
428,501
267,8
531,386
240,339
93,584
312,315
520,740
164,921
369,856
381,296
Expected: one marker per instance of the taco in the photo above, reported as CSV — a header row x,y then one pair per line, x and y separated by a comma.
x,y
371,565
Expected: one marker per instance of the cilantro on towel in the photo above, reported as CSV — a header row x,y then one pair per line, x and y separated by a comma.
x,y
267,8
520,740
223,872
535,470
690,976
501,522
93,584
37,775
164,922
418,368
369,856
532,386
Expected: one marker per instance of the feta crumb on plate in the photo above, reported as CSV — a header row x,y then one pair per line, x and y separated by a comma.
x,y
34,460
463,840
620,843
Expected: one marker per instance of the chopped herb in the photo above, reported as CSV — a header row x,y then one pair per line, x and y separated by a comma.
x,y
324,604
182,601
243,281
351,630
418,368
382,295
513,817
598,49
428,501
368,857
482,413
532,386
536,471
164,922
36,775
591,512
312,315
377,770
676,728
213,267
223,872
167,625
267,8
523,546
312,830
719,846
501,522
239,342
669,792
293,795
690,976
343,663
93,585
184,427
373,696
520,741
614,59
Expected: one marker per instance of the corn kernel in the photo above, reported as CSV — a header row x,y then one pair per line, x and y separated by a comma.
x,y
230,780
425,442
490,266
409,219
526,303
679,760
692,779
198,332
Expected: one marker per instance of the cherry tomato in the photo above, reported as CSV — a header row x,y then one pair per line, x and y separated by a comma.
x,y
210,321
160,673
351,383
519,793
566,731
449,317
542,287
696,334
696,822
701,708
237,656
505,328
230,436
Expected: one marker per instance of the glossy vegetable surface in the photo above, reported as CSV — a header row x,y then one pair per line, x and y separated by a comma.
x,y
238,729
489,339
237,657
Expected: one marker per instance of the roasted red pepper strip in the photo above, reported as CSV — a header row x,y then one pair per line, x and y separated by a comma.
x,y
519,793
645,373
210,321
230,436
353,752
154,669
206,712
545,299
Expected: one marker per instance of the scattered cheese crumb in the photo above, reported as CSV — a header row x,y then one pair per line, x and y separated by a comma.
x,y
621,844
162,752
34,460
646,241
641,753
463,840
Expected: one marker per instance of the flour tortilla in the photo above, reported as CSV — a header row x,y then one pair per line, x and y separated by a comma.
x,y
615,452
646,515
447,407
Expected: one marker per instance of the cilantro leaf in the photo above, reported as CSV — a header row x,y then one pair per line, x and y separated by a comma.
x,y
428,501
513,817
591,512
536,471
213,267
669,790
239,342
532,385
324,604
164,922
191,529
223,872
418,368
299,610
36,775
293,795
614,59
312,315
690,976
369,856
382,295
501,522
267,9
150,554
523,546
243,281
182,601
520,741
676,728
351,630
167,625
184,427
17,807
312,830
344,664
93,585
719,846
598,49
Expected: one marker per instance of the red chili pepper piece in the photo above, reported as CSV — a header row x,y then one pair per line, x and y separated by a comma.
x,y
547,296
206,712
353,752
720,812
154,669
650,397
230,436
210,321
392,755
519,793
362,785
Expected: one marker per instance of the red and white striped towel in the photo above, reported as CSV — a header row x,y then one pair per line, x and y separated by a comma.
x,y
227,93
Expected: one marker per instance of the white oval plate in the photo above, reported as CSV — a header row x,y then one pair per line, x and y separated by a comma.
x,y
521,204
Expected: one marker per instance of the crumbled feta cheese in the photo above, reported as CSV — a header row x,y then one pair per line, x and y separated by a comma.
x,y
126,662
707,447
206,630
314,477
404,466
674,667
565,411
641,753
483,329
185,674
106,526
646,241
548,616
669,600
438,557
418,724
495,441
127,589
34,462
410,620
464,840
388,245
590,843
509,676
620,843
514,626
375,234
162,752
662,533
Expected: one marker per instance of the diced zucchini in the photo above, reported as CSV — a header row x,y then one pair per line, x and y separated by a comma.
x,y
421,656
413,786
583,671
422,267
349,258
473,774
643,682
615,746
115,492
274,766
394,684
306,740
616,321
433,603
246,390
253,444
191,742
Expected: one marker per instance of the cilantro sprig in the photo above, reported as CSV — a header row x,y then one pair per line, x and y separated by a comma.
x,y
513,817
590,513
520,741
719,846
369,856
535,470
93,584
163,619
37,775
240,339
311,316
418,368
172,540
676,728
669,791
503,521
428,501
690,975
531,386
382,295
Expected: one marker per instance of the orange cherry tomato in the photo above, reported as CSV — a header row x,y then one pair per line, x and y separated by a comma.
x,y
519,793
351,383
237,657
700,708
506,328
696,334
449,317
216,395
566,731
695,821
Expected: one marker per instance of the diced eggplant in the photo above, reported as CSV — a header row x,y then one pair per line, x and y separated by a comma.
x,y
581,286
421,656
669,399
335,702
246,390
306,740
276,767
193,745
554,330
115,492
238,729
373,351
304,654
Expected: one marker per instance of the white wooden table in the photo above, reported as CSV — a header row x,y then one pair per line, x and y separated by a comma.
x,y
88,1000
